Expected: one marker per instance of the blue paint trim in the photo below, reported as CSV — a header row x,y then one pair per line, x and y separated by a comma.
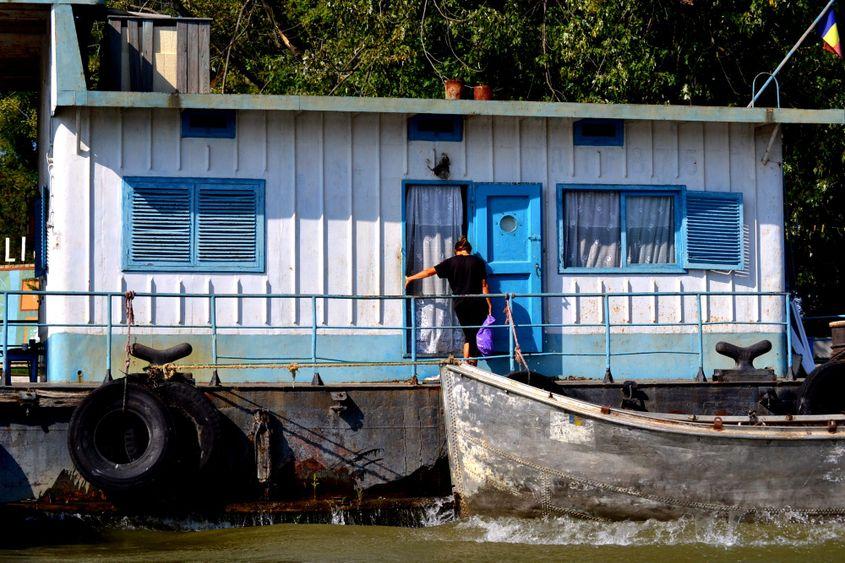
x,y
678,192
194,185
466,184
737,197
417,130
636,355
580,138
534,191
191,130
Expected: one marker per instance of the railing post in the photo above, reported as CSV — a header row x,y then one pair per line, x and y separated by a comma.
x,y
7,365
414,333
212,307
788,305
108,336
511,329
314,331
608,375
700,320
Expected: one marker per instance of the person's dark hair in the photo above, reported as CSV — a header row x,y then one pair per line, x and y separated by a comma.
x,y
463,244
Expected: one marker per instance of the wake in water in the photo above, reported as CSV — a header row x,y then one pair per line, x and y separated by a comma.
x,y
716,531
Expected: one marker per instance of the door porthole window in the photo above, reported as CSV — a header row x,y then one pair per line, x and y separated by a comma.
x,y
508,224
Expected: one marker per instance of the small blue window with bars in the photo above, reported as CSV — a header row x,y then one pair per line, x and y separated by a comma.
x,y
714,222
599,132
209,123
449,128
199,224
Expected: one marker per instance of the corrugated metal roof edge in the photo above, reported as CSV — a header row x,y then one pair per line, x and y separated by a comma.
x,y
458,107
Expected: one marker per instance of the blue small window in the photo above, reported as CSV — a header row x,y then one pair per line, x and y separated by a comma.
x,y
599,132
714,231
208,123
193,224
448,128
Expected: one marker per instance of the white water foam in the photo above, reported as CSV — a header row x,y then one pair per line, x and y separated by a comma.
x,y
716,531
440,512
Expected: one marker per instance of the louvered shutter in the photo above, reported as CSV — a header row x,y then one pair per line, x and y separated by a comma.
x,y
160,225
714,230
227,229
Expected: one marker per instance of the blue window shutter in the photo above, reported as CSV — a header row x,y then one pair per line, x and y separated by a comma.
x,y
714,231
160,224
227,229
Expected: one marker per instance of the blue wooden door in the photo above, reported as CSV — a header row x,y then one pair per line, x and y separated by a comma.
x,y
505,231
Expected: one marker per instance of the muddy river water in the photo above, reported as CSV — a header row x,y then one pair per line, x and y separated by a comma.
x,y
442,538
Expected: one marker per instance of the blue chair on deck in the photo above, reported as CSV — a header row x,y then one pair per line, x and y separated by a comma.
x,y
26,353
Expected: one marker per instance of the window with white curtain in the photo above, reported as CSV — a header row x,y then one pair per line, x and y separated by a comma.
x,y
434,221
607,228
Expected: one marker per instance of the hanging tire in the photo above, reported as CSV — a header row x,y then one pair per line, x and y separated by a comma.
x,y
823,391
198,429
119,437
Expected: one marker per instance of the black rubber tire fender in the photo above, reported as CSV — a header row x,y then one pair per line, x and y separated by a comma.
x,y
104,429
823,391
198,427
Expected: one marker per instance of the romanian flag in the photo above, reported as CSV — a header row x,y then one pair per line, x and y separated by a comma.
x,y
830,35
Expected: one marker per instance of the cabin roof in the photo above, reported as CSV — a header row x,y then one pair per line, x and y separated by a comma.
x,y
459,107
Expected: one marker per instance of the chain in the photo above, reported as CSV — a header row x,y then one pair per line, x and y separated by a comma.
x,y
130,320
173,368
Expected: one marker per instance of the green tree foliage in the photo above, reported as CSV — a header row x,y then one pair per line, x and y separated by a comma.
x,y
18,172
650,51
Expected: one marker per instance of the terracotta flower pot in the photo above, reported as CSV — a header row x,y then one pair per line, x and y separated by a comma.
x,y
482,92
453,89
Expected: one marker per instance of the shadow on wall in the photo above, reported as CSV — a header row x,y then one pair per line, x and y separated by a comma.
x,y
14,484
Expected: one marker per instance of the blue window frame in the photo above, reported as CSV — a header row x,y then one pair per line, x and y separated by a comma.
x,y
208,123
448,128
625,192
193,225
599,132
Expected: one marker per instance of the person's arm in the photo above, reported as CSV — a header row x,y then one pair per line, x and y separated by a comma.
x,y
420,275
485,289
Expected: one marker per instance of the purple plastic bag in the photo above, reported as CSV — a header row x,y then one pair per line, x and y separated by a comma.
x,y
484,338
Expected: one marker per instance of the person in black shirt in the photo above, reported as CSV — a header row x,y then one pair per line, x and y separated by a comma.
x,y
467,275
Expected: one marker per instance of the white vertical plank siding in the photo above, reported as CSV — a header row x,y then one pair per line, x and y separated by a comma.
x,y
365,212
393,144
337,190
333,208
769,225
309,208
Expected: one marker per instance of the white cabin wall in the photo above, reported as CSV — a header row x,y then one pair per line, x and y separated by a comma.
x,y
334,198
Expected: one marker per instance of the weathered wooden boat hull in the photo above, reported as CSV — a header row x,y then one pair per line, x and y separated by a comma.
x,y
515,449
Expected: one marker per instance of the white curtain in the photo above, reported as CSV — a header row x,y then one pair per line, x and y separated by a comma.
x,y
433,221
650,230
591,238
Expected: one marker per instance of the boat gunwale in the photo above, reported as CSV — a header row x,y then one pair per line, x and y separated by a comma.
x,y
652,421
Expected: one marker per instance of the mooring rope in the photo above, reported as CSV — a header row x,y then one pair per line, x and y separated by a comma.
x,y
130,320
517,351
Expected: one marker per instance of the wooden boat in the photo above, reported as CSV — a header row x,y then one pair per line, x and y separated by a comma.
x,y
516,449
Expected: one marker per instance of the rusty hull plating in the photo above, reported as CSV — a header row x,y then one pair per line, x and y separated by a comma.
x,y
291,450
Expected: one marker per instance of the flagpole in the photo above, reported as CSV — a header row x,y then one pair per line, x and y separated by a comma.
x,y
790,53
